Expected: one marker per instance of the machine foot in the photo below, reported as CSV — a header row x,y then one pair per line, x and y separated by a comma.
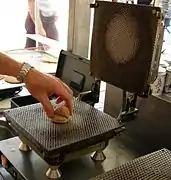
x,y
53,172
24,147
98,156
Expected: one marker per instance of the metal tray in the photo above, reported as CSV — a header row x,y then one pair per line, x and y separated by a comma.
x,y
28,55
74,70
154,166
23,101
88,126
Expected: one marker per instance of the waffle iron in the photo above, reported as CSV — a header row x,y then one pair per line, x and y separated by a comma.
x,y
88,131
155,166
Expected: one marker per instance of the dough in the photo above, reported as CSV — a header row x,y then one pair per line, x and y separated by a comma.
x,y
62,115
1,77
11,80
48,59
60,119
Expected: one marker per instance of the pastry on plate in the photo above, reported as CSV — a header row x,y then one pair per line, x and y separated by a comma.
x,y
48,59
11,80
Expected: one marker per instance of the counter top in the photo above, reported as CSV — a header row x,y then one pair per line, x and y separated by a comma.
x,y
45,67
35,58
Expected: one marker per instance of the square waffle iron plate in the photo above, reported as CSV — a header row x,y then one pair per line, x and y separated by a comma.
x,y
87,127
154,166
123,41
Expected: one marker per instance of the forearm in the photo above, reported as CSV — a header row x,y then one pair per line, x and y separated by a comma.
x,y
9,66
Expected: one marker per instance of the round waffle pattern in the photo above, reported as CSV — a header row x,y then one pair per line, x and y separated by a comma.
x,y
122,38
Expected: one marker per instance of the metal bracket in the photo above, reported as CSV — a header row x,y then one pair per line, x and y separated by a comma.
x,y
128,106
91,97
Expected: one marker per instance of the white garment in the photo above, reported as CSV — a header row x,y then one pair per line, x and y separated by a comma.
x,y
48,7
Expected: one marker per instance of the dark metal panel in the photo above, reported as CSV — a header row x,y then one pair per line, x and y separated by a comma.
x,y
122,46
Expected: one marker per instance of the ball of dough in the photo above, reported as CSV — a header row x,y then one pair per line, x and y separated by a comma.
x,y
62,115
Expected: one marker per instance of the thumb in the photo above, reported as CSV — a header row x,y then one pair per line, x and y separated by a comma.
x,y
47,106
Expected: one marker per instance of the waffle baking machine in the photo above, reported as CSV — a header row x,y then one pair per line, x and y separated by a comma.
x,y
131,66
89,130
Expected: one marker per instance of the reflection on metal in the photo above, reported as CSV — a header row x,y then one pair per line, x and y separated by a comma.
x,y
24,147
53,172
98,156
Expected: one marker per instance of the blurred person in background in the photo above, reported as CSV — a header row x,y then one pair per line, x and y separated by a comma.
x,y
41,19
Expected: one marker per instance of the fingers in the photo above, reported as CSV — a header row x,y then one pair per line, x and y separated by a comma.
x,y
44,100
68,100
58,100
64,95
67,88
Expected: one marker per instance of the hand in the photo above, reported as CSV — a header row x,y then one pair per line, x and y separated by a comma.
x,y
41,86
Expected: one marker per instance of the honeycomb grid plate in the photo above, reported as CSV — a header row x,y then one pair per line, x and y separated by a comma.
x,y
125,65
154,166
86,123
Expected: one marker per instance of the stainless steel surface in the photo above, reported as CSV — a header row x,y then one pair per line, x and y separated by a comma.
x,y
88,126
32,167
98,156
152,166
53,172
24,147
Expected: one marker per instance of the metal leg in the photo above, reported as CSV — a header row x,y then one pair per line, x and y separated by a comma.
x,y
128,107
24,147
98,156
53,172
